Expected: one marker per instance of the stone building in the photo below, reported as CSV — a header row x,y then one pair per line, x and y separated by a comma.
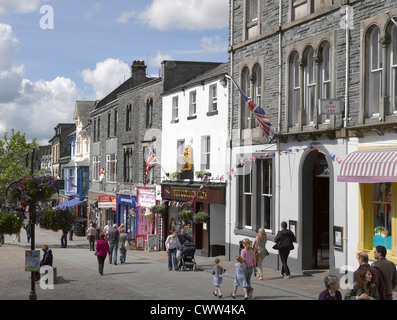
x,y
324,72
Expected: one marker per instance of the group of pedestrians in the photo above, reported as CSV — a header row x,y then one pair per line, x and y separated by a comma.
x,y
371,282
250,261
110,241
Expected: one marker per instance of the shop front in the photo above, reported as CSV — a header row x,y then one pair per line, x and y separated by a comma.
x,y
375,171
186,202
125,214
107,205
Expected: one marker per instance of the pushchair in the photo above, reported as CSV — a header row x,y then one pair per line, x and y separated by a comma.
x,y
187,257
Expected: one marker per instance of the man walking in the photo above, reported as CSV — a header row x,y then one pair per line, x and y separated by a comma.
x,y
387,270
91,235
114,237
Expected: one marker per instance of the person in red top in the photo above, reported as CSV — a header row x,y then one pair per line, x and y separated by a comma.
x,y
249,260
102,248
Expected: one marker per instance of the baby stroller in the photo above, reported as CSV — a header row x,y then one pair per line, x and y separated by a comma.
x,y
187,257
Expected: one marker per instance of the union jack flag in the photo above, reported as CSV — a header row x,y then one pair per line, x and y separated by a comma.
x,y
258,112
151,160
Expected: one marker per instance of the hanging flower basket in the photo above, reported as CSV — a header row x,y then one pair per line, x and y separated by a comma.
x,y
200,217
158,209
186,215
10,222
56,219
33,189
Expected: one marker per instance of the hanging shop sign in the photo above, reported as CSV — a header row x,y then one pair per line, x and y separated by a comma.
x,y
330,106
146,197
104,202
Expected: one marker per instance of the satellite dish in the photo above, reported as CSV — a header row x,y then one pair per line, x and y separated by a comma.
x,y
170,65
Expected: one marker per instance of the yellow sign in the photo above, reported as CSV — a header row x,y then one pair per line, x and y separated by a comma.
x,y
189,193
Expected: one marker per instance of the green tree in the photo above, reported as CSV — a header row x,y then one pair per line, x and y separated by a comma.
x,y
14,162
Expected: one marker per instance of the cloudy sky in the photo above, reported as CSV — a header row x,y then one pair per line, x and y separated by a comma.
x,y
54,52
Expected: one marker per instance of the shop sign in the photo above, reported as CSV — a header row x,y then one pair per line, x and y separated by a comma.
x,y
146,197
104,202
189,194
114,202
127,200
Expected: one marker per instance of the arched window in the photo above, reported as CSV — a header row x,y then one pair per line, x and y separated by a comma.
x,y
392,54
246,88
310,87
374,73
294,94
325,76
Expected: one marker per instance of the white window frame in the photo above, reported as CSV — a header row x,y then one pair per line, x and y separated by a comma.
x,y
111,176
175,111
213,94
96,167
192,103
205,153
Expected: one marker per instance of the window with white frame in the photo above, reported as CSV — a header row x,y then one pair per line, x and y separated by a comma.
x,y
205,153
192,103
294,99
255,199
70,186
111,167
175,110
325,76
96,167
374,73
180,147
213,98
392,61
246,88
310,87
252,10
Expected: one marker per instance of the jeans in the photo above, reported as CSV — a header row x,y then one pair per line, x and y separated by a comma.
x,y
172,257
114,245
123,254
284,253
248,275
64,239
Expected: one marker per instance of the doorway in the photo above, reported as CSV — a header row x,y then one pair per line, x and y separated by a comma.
x,y
316,212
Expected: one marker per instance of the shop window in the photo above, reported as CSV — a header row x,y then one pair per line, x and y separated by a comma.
x,y
381,213
378,212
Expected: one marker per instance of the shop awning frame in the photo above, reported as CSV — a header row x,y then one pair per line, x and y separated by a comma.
x,y
71,203
373,165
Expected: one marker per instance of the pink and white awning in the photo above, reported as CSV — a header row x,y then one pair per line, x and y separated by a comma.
x,y
370,166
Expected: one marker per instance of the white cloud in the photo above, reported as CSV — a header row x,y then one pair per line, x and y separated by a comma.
x,y
156,61
106,77
213,44
40,106
20,6
96,9
31,107
186,14
126,16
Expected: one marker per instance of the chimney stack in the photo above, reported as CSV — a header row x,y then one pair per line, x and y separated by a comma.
x,y
138,65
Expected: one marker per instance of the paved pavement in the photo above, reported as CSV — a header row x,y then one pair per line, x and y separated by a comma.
x,y
145,276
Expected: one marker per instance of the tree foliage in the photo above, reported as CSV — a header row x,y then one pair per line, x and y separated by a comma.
x,y
14,160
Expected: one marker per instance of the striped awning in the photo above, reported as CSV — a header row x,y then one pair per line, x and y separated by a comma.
x,y
370,166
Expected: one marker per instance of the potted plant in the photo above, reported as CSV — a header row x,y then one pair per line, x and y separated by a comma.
x,y
200,217
186,215
201,174
10,222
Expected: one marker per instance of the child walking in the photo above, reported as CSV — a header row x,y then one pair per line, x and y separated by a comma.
x,y
218,272
239,277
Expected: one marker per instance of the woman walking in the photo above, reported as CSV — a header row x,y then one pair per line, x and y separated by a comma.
x,y
102,248
260,251
284,243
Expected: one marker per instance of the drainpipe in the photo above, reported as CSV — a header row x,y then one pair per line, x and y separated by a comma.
x,y
347,26
230,127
